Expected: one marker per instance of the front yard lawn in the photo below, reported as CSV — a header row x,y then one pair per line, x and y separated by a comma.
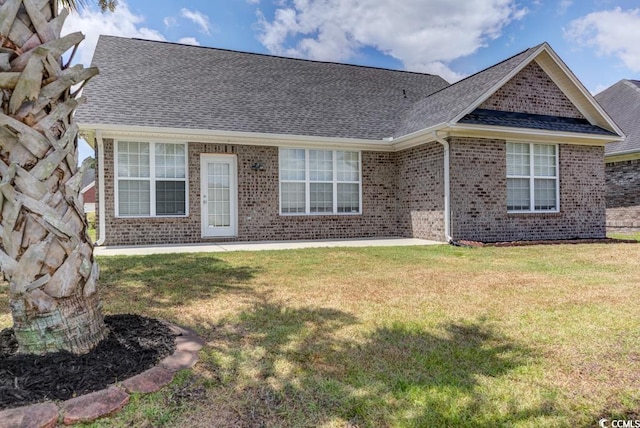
x,y
373,337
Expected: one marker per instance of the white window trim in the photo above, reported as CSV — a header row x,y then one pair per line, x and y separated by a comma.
x,y
307,183
532,178
151,179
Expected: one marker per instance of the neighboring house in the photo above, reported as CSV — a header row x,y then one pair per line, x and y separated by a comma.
x,y
622,102
88,190
197,144
89,197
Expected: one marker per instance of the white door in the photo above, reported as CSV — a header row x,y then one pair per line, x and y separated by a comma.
x,y
219,194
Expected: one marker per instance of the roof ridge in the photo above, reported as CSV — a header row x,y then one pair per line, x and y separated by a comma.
x,y
485,69
270,55
634,84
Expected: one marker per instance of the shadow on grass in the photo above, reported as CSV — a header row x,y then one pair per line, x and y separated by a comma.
x,y
308,366
168,280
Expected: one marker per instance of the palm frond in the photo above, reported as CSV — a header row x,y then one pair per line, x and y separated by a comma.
x,y
105,5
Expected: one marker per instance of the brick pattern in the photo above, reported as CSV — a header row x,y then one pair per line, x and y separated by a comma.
x,y
532,91
479,195
623,195
403,195
421,192
258,203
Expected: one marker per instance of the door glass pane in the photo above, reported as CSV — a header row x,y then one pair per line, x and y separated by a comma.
x,y
218,194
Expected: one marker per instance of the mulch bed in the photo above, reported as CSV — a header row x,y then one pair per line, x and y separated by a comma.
x,y
134,344
465,243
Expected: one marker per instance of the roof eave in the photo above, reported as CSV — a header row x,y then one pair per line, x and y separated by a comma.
x,y
594,113
623,155
530,135
418,137
229,137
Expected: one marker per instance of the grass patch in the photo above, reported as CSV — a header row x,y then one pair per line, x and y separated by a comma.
x,y
629,235
91,230
411,336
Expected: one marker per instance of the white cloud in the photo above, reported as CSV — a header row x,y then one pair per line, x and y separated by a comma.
x,y
198,18
612,33
189,41
425,35
170,21
92,23
564,6
599,88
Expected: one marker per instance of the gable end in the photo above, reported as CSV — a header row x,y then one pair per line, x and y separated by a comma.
x,y
532,91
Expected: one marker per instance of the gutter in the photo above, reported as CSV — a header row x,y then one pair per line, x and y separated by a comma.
x,y
101,193
233,137
447,187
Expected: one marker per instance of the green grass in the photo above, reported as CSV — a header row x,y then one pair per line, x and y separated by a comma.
x,y
400,337
630,235
91,220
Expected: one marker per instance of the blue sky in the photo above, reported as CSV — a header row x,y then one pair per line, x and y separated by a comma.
x,y
598,39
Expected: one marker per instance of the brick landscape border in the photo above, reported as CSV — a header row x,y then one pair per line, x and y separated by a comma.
x,y
111,400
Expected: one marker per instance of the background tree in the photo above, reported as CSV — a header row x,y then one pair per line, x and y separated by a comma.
x,y
45,253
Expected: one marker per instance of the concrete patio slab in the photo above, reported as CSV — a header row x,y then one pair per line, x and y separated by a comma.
x,y
214,247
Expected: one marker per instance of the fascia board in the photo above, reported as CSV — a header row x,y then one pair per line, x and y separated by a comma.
x,y
88,186
231,137
622,156
416,138
531,135
603,116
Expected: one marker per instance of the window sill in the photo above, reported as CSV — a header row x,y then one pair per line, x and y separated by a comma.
x,y
533,212
149,217
319,214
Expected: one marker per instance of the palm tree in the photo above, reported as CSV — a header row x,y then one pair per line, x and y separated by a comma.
x,y
46,255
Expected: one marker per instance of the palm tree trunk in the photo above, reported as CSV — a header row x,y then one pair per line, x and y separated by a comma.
x,y
45,252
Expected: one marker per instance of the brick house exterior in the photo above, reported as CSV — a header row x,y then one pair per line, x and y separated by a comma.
x,y
433,158
622,171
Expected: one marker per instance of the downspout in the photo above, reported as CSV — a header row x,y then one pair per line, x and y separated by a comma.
x,y
101,197
447,187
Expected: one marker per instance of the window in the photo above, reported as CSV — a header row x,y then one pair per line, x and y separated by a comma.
x,y
319,182
151,179
532,177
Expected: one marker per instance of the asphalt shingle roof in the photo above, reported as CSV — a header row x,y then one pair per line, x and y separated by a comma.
x,y
446,104
532,121
158,84
622,102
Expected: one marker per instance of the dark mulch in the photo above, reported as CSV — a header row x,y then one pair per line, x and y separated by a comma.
x,y
134,344
466,243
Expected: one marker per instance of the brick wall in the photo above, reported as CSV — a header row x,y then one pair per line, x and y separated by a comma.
x,y
421,192
258,209
403,195
479,195
532,91
623,195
